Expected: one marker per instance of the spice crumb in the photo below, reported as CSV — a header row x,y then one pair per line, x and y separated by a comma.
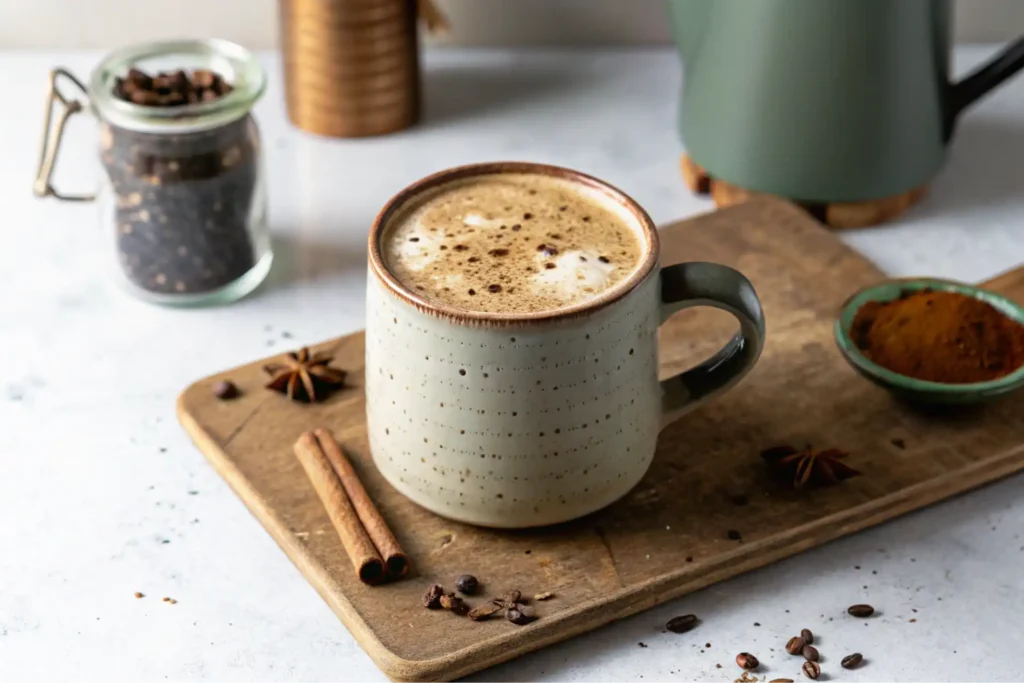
x,y
138,595
642,644
547,595
170,601
733,535
898,443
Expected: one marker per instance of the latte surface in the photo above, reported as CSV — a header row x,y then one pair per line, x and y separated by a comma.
x,y
511,243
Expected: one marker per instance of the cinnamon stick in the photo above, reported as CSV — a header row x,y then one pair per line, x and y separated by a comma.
x,y
343,516
395,560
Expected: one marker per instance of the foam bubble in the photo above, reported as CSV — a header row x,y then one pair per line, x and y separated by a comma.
x,y
418,249
577,273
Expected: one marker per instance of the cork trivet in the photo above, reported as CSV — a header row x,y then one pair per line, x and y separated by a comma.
x,y
839,215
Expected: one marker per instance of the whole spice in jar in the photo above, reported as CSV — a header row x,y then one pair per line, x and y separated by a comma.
x,y
939,336
184,201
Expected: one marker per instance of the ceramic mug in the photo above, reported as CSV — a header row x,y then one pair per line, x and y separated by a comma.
x,y
518,420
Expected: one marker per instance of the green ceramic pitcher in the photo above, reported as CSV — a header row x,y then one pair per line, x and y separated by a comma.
x,y
823,100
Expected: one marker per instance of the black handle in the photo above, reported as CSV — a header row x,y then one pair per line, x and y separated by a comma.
x,y
709,284
983,79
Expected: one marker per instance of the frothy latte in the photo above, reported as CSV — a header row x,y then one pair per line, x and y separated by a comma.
x,y
511,243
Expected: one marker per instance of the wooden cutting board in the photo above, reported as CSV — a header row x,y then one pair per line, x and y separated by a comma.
x,y
669,535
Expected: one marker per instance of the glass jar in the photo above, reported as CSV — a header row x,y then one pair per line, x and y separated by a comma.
x,y
182,202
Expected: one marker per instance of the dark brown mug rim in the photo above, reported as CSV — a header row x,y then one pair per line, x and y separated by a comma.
x,y
606,298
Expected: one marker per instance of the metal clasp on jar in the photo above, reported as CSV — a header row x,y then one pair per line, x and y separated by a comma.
x,y
53,133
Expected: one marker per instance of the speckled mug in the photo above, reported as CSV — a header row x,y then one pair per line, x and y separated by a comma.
x,y
519,420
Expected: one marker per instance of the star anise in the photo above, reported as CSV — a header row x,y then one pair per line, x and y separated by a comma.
x,y
808,467
305,377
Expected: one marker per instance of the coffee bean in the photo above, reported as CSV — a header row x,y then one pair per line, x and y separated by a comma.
x,y
510,598
852,661
781,680
483,611
686,622
454,604
747,661
432,598
806,634
811,669
810,653
467,584
493,289
861,611
795,645
225,389
518,617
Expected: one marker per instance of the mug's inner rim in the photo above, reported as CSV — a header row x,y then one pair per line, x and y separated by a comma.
x,y
608,197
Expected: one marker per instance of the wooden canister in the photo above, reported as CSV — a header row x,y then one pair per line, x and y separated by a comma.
x,y
351,67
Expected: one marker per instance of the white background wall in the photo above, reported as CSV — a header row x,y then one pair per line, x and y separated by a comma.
x,y
109,23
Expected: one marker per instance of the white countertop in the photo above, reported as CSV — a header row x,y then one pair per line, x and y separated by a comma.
x,y
102,494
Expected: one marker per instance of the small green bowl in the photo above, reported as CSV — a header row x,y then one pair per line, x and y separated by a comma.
x,y
909,388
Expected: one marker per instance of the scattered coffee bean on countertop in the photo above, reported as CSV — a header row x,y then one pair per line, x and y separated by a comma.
x,y
795,645
806,634
811,669
682,624
861,611
810,653
852,661
747,661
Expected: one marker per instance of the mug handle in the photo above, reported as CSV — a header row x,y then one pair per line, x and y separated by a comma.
x,y
964,92
686,285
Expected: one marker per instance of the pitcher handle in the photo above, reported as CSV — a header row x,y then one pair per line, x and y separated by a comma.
x,y
973,86
52,135
685,285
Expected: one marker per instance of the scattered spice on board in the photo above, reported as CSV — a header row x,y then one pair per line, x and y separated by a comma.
x,y
467,584
138,595
808,467
225,390
305,377
432,598
939,336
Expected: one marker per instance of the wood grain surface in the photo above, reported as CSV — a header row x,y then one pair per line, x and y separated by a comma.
x,y
668,536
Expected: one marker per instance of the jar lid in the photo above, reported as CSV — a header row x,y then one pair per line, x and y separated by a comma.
x,y
232,62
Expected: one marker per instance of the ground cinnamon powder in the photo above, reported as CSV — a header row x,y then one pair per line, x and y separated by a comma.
x,y
939,336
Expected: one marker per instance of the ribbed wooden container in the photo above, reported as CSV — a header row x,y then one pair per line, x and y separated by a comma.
x,y
351,67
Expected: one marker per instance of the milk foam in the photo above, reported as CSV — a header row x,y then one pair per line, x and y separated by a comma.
x,y
511,243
